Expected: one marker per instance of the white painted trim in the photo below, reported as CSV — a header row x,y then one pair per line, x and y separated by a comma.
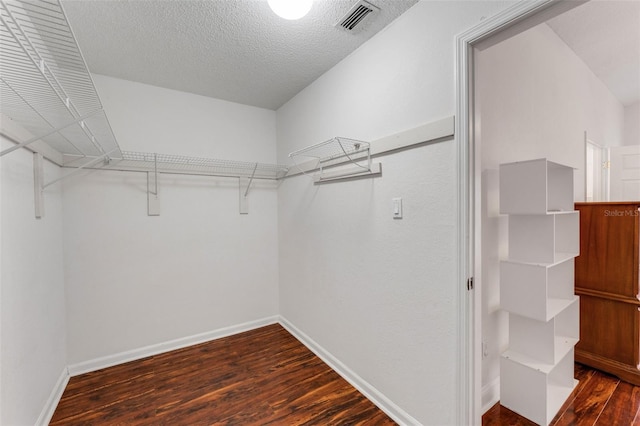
x,y
134,354
54,398
378,398
428,132
469,353
490,394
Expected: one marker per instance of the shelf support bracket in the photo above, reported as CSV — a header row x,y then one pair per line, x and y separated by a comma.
x,y
104,158
37,138
38,187
245,185
153,202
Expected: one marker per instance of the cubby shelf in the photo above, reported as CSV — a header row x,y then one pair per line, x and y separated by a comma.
x,y
545,342
545,389
544,238
535,187
537,287
538,291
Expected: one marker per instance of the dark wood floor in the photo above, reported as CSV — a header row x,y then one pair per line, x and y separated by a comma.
x,y
261,377
599,399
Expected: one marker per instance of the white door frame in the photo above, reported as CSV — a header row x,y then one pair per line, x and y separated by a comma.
x,y
515,19
603,178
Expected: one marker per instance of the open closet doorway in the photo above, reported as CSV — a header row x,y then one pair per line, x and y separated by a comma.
x,y
515,106
596,171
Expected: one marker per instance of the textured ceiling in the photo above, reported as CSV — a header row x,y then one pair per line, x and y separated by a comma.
x,y
237,50
606,36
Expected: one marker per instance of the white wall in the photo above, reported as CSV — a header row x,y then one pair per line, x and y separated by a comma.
x,y
379,294
535,99
134,280
32,307
632,124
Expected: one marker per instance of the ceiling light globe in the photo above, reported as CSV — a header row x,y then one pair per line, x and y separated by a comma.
x,y
290,9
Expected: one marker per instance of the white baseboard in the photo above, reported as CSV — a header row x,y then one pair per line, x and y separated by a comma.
x,y
52,402
385,404
490,394
132,355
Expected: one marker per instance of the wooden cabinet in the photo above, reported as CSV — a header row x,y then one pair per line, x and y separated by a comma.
x,y
607,280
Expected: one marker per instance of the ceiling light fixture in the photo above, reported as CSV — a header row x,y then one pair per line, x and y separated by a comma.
x,y
290,9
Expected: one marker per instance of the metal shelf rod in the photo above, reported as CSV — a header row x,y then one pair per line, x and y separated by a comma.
x,y
181,165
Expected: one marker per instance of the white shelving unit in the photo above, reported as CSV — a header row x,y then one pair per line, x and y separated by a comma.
x,y
544,238
538,291
544,190
48,93
537,288
335,152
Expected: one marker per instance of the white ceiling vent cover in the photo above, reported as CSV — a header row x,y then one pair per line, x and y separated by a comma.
x,y
359,13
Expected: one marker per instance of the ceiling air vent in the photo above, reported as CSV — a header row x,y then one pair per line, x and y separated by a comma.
x,y
360,12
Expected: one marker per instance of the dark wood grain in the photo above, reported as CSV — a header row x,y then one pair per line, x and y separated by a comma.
x,y
607,281
606,329
608,258
261,377
590,401
622,408
499,416
599,400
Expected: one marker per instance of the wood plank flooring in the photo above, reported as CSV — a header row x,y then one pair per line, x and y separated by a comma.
x,y
261,377
599,400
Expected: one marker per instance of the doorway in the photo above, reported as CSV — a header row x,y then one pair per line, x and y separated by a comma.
x,y
521,140
596,172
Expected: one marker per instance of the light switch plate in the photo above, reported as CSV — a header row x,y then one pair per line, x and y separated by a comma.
x,y
397,208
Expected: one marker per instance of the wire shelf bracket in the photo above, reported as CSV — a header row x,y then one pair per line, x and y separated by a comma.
x,y
103,158
338,151
47,91
52,132
153,198
245,185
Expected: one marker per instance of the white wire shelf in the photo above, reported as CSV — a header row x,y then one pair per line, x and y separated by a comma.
x,y
179,164
334,152
45,86
335,148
